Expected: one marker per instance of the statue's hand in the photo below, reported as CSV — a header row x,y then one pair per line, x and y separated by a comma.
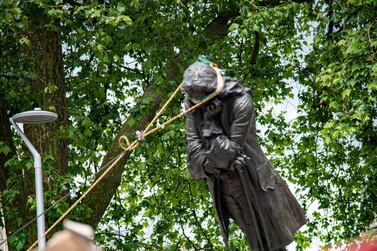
x,y
209,169
239,162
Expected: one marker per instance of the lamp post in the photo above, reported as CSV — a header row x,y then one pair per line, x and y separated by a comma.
x,y
37,116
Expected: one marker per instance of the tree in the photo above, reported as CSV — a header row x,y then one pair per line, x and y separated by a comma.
x,y
337,132
105,67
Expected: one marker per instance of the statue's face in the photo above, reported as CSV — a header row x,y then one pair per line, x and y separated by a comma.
x,y
198,82
196,90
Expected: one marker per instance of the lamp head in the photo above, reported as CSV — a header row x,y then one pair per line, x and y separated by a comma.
x,y
36,116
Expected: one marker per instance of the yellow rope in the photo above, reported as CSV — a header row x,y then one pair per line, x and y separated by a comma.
x,y
133,145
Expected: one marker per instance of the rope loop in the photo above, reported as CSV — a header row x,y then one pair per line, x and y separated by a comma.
x,y
121,144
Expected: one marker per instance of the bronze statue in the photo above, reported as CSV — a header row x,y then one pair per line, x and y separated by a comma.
x,y
224,150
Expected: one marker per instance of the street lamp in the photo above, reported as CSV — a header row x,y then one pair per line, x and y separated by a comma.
x,y
37,116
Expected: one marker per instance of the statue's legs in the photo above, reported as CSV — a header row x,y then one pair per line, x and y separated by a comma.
x,y
236,206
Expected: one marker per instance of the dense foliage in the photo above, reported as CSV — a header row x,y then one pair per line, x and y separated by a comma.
x,y
105,67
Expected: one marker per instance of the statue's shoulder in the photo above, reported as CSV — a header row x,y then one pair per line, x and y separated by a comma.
x,y
243,100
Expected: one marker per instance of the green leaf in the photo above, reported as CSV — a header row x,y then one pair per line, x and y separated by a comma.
x,y
5,149
25,41
51,88
346,93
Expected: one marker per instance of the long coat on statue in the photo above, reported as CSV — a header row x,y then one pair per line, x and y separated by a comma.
x,y
279,215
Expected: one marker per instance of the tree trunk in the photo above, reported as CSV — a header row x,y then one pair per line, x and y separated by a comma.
x,y
45,49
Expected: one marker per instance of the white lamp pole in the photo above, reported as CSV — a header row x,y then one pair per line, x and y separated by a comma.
x,y
36,116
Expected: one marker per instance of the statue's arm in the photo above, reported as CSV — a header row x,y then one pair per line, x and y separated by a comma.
x,y
243,117
195,150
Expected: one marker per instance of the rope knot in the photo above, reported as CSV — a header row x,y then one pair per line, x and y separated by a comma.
x,y
139,135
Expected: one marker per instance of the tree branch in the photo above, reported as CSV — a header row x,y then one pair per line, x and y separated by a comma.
x,y
330,26
254,55
218,28
5,138
198,222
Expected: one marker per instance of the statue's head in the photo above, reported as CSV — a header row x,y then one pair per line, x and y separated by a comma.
x,y
199,80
